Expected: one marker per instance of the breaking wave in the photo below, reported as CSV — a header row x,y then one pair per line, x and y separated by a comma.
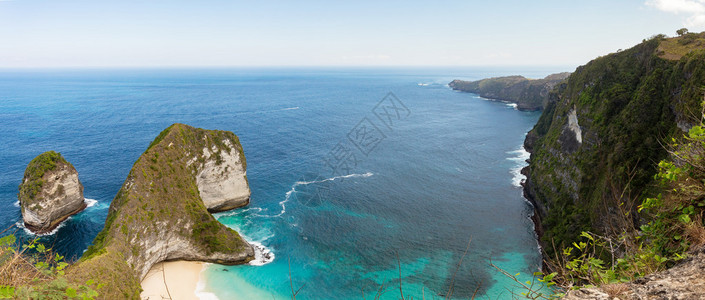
x,y
298,183
520,157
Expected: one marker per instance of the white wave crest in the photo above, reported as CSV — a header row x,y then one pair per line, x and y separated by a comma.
x,y
290,108
17,204
288,194
368,174
263,255
520,157
20,225
200,289
236,212
513,105
90,202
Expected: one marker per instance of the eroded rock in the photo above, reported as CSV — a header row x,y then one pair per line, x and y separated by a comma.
x,y
50,192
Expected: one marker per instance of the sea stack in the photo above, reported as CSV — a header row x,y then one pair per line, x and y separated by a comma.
x,y
50,192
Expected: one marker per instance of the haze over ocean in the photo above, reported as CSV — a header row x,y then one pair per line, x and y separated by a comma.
x,y
437,169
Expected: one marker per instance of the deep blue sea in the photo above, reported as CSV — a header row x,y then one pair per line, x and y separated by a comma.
x,y
355,172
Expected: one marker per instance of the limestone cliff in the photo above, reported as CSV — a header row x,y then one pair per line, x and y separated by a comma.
x,y
161,211
595,147
50,192
528,94
222,181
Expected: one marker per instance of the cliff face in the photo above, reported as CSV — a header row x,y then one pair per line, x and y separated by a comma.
x,y
50,192
161,211
221,179
528,94
597,143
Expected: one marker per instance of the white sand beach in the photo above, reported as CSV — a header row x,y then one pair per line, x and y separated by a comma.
x,y
181,279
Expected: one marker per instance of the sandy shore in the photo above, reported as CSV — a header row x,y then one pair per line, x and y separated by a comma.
x,y
181,278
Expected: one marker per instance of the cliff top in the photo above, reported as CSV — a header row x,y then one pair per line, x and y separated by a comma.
x,y
32,181
676,47
528,94
158,214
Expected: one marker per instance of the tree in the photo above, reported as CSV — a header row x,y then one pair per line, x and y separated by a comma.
x,y
682,31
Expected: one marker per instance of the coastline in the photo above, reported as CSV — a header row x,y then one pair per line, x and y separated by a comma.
x,y
182,278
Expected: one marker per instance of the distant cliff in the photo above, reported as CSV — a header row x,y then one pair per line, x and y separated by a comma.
x,y
50,192
528,94
161,211
595,148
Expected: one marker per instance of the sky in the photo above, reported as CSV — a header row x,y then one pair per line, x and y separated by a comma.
x,y
214,33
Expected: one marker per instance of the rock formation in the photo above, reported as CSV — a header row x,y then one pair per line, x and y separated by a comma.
x,y
50,192
595,147
161,211
528,94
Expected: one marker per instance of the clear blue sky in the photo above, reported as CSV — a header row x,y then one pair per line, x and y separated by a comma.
x,y
163,33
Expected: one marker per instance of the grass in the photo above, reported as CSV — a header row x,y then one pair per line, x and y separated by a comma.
x,y
159,201
626,103
33,271
677,47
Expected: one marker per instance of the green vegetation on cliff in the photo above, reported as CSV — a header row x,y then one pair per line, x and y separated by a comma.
x,y
158,215
32,181
671,237
675,216
528,94
585,174
33,271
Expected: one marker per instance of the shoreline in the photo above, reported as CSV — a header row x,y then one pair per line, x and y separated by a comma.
x,y
181,278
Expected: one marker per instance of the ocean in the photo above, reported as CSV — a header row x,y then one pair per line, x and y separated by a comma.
x,y
360,177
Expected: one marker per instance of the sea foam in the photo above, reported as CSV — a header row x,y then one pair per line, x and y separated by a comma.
x,y
20,225
519,156
288,194
201,286
90,202
263,255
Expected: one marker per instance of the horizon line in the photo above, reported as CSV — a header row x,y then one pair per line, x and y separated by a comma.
x,y
177,67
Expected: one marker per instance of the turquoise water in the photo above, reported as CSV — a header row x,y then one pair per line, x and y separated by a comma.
x,y
349,183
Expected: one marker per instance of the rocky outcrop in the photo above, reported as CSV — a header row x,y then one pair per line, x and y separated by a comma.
x,y
161,211
528,94
50,192
222,178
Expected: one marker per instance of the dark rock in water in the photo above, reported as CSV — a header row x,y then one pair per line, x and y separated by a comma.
x,y
50,192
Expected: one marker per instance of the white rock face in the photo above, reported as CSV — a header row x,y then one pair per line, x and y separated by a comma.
x,y
222,180
61,196
574,126
173,246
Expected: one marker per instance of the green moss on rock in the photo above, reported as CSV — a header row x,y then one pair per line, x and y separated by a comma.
x,y
32,181
158,214
626,104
